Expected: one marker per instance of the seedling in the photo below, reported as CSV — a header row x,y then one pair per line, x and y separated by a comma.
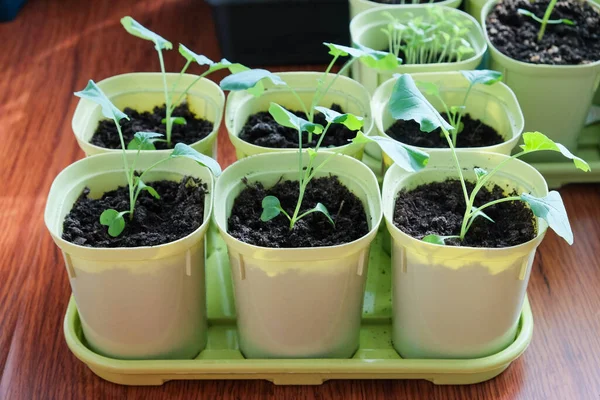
x,y
114,219
407,103
456,113
160,44
438,38
546,19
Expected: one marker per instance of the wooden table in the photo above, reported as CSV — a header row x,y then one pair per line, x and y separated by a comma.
x,y
49,52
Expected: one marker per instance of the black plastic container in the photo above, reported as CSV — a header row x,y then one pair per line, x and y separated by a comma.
x,y
279,32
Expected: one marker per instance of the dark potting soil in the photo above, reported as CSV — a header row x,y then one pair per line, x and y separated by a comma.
x,y
314,230
195,129
516,35
438,208
262,130
474,134
178,212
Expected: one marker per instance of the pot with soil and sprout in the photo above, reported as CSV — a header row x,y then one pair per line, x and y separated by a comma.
x,y
298,227
483,111
251,128
358,6
465,231
549,53
131,229
184,108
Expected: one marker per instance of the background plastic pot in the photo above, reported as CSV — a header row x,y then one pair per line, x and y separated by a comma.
x,y
346,92
555,98
458,302
473,7
143,91
494,105
358,6
304,302
366,30
142,302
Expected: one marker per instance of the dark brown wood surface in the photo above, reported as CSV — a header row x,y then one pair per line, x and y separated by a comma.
x,y
51,50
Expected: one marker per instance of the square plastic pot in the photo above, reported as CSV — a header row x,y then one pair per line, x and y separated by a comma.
x,y
301,302
555,98
358,6
140,302
458,302
495,105
346,92
366,30
143,91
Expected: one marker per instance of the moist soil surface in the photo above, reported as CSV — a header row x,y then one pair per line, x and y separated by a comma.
x,y
178,212
262,130
438,208
313,230
195,129
516,35
474,134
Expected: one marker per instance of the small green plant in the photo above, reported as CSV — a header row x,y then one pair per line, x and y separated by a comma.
x,y
456,113
407,103
114,219
160,44
546,19
437,38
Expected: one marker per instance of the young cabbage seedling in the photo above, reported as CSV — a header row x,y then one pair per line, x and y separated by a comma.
x,y
252,80
456,113
438,38
546,19
407,157
407,103
114,219
160,44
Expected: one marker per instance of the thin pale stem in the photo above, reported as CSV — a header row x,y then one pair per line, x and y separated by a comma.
x,y
182,95
169,123
545,19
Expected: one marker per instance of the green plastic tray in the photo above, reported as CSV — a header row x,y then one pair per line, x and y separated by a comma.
x,y
375,359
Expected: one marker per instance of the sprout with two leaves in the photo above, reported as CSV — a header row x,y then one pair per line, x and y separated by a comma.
x,y
436,38
407,103
114,219
456,113
546,19
160,44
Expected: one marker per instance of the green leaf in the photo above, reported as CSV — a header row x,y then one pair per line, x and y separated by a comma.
x,y
183,150
94,93
213,66
175,120
250,80
407,103
143,141
483,76
552,209
438,239
478,213
150,189
536,141
271,208
114,220
285,118
350,121
311,153
408,158
531,15
480,173
191,56
323,210
372,58
136,29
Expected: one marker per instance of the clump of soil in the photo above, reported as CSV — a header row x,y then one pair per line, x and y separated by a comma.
x,y
262,130
314,230
195,129
516,35
178,212
438,208
474,134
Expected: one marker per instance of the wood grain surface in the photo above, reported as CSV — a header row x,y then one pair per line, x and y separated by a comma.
x,y
50,51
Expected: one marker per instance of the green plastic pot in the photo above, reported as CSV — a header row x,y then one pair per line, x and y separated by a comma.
x,y
366,30
458,302
473,7
555,98
140,302
495,105
358,6
348,93
143,91
300,302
